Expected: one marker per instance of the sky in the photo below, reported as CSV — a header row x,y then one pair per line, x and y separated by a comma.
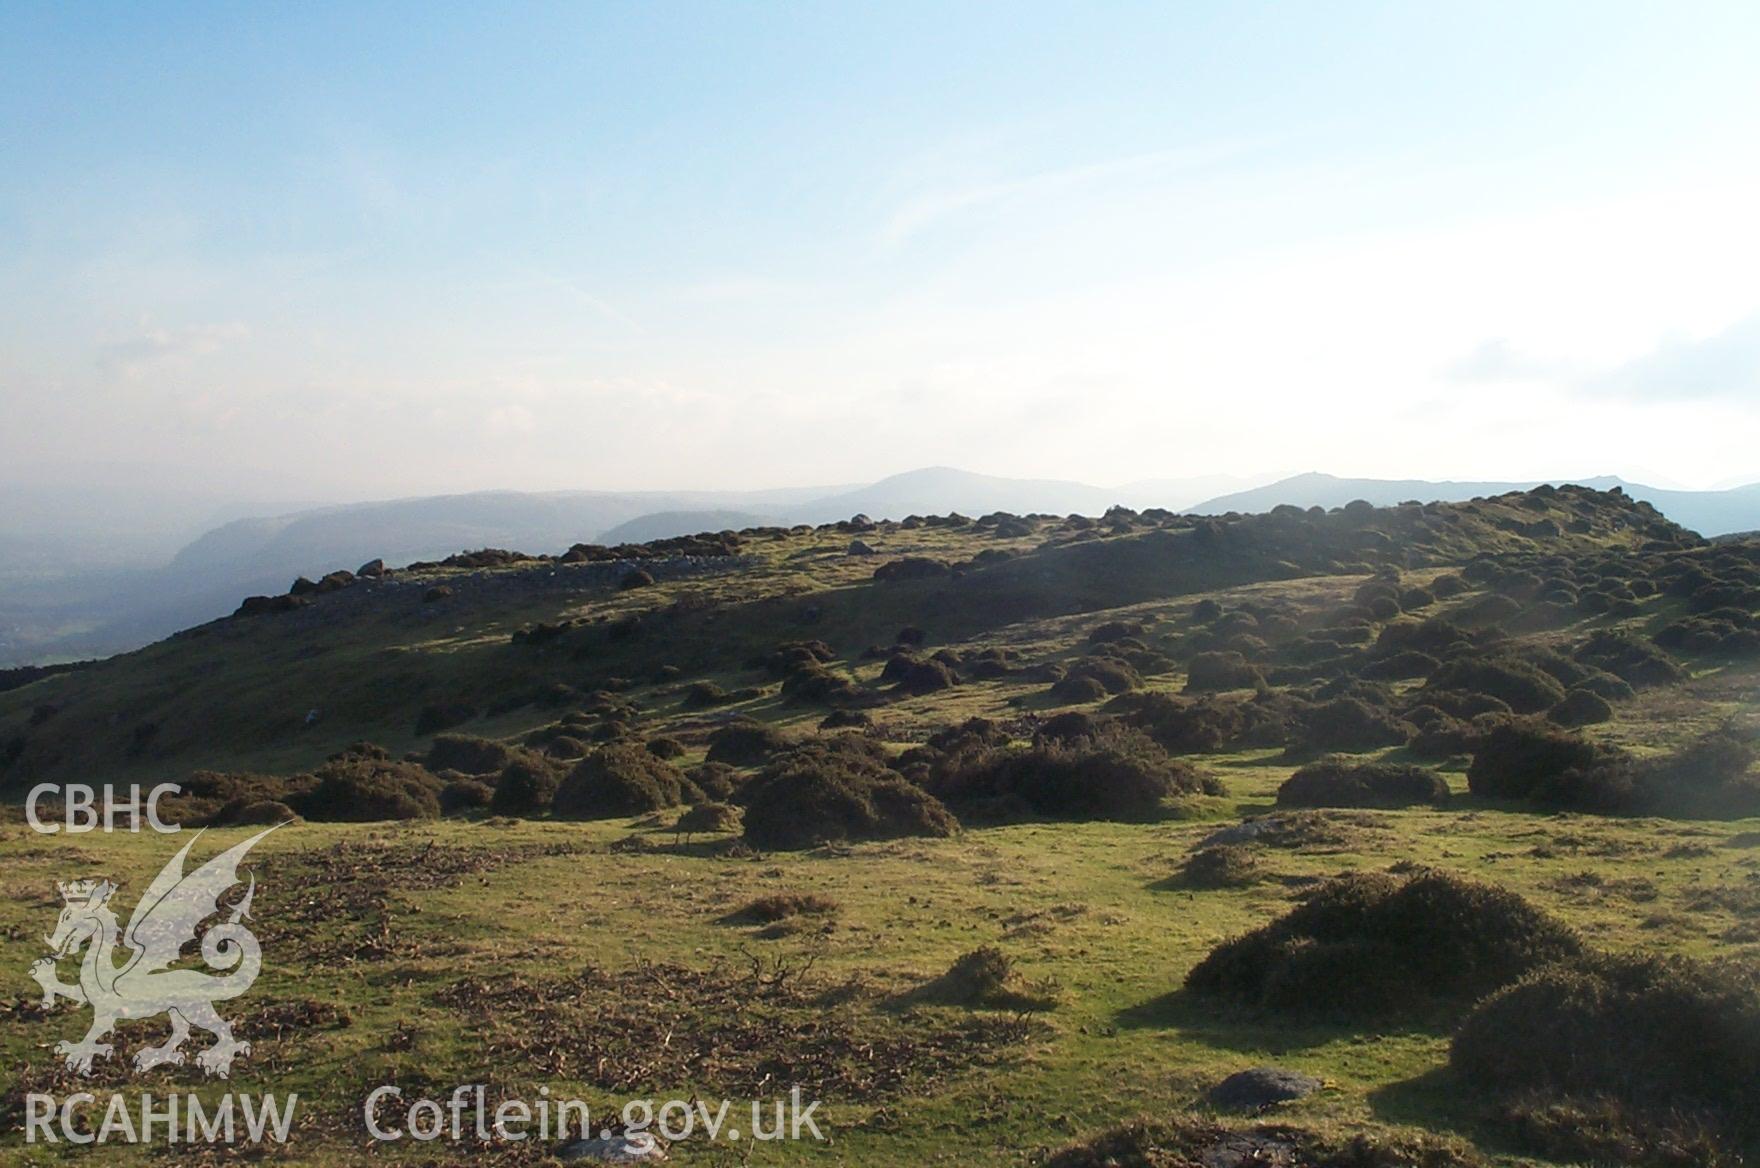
x,y
355,251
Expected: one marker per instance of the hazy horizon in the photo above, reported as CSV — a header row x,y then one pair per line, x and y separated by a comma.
x,y
327,254
156,516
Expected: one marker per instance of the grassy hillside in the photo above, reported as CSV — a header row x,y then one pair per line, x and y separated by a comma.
x,y
235,693
1560,683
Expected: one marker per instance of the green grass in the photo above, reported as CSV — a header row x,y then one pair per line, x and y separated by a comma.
x,y
1088,907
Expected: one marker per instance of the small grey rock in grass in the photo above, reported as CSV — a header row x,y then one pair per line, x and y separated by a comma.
x,y
1261,1087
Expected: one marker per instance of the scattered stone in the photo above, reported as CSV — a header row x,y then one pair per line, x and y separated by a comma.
x,y
1241,833
1262,1087
1249,1150
615,1149
859,547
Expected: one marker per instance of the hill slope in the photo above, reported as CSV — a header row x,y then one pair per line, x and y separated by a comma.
x,y
370,658
666,524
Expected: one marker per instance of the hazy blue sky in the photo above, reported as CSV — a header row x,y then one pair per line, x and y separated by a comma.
x,y
366,249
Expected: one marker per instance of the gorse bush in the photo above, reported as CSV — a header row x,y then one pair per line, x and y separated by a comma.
x,y
1530,759
1465,706
1407,663
1111,772
1370,943
618,780
708,817
256,813
524,787
1220,866
1221,671
1340,783
1638,663
362,784
1114,631
468,754
1718,764
1581,707
779,906
1114,675
218,798
1673,1043
927,677
716,780
744,744
1078,689
463,796
1712,776
1524,687
955,749
817,684
703,695
819,793
1448,737
1185,725
977,978
667,748
1515,758
1350,725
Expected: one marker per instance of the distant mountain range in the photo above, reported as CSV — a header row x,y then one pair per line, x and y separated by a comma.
x,y
401,530
48,615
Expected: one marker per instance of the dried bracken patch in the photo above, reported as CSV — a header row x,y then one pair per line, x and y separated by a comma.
x,y
337,905
732,1030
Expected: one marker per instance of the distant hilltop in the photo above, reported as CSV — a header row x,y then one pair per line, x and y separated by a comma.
x,y
77,612
1710,513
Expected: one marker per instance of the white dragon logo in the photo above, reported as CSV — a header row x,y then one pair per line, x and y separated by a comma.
x,y
166,918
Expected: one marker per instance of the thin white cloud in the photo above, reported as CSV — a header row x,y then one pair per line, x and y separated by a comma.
x,y
132,356
1724,364
734,288
923,210
527,279
1498,360
512,420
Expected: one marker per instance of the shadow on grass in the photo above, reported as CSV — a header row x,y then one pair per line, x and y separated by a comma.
x,y
1439,1102
1273,759
1432,1100
1226,1026
1198,885
659,839
1040,700
984,979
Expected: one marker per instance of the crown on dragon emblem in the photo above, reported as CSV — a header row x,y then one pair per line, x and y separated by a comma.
x,y
166,918
84,891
